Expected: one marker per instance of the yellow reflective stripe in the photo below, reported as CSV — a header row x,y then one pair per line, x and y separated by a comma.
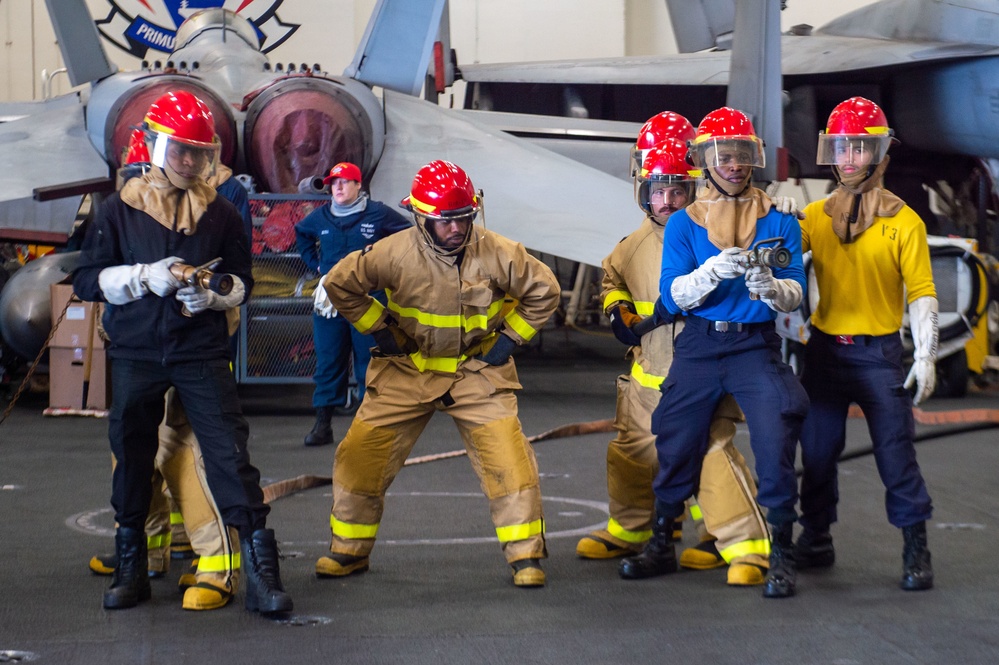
x,y
441,364
695,512
345,530
219,563
615,529
644,308
158,542
646,380
876,130
157,127
420,205
370,317
520,326
475,322
746,547
176,518
513,532
617,295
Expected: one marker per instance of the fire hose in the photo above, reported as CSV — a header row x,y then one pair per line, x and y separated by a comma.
x,y
971,419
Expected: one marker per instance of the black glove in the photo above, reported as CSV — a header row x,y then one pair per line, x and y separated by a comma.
x,y
648,324
391,340
499,352
619,318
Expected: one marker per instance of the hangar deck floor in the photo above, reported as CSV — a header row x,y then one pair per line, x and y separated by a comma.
x,y
439,591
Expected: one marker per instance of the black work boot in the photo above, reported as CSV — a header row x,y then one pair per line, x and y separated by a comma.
x,y
782,575
814,549
264,591
322,432
658,557
917,572
130,581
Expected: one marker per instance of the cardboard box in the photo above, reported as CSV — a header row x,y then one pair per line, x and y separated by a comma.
x,y
66,379
72,332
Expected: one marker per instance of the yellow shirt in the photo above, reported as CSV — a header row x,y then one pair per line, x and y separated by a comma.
x,y
861,283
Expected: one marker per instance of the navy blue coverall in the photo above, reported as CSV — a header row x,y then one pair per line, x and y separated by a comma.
x,y
322,241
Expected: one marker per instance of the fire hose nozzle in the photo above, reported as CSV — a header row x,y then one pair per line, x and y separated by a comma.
x,y
204,277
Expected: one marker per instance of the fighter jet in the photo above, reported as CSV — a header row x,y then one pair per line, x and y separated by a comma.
x,y
933,65
283,125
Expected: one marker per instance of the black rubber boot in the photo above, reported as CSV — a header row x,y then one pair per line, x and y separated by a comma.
x,y
322,432
917,572
130,581
658,557
814,549
782,576
264,591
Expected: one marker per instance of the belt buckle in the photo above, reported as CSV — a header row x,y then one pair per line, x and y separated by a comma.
x,y
725,326
845,340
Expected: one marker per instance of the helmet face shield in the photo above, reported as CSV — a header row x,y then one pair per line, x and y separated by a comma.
x,y
449,234
662,195
637,158
727,151
852,150
187,159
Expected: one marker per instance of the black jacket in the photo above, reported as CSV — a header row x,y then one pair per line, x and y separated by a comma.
x,y
153,328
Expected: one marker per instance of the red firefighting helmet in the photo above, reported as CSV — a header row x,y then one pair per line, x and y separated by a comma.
x,y
442,190
664,167
857,131
344,170
658,128
180,125
726,137
137,152
135,161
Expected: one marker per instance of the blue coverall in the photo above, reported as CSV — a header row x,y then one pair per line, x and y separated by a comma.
x,y
744,361
322,241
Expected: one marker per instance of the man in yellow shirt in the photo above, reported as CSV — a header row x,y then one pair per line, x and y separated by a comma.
x,y
870,256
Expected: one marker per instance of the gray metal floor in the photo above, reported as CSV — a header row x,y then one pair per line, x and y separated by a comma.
x,y
439,591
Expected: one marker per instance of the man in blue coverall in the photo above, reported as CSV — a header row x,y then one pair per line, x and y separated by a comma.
x,y
351,222
728,345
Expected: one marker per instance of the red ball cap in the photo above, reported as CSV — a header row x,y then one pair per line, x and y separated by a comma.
x,y
344,170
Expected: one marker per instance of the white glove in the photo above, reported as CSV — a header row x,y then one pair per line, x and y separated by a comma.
x,y
321,302
196,299
925,332
158,278
780,295
122,284
786,205
691,290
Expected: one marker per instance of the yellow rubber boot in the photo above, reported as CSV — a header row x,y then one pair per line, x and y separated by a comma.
x,y
747,571
190,578
211,591
340,565
703,556
601,545
528,573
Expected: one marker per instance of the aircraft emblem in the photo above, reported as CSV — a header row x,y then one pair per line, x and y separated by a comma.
x,y
140,26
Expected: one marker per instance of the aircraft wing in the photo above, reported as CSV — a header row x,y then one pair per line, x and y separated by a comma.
x,y
545,201
47,146
602,144
800,56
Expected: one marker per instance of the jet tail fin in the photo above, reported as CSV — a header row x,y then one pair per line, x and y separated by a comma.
x,y
397,45
705,23
79,41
